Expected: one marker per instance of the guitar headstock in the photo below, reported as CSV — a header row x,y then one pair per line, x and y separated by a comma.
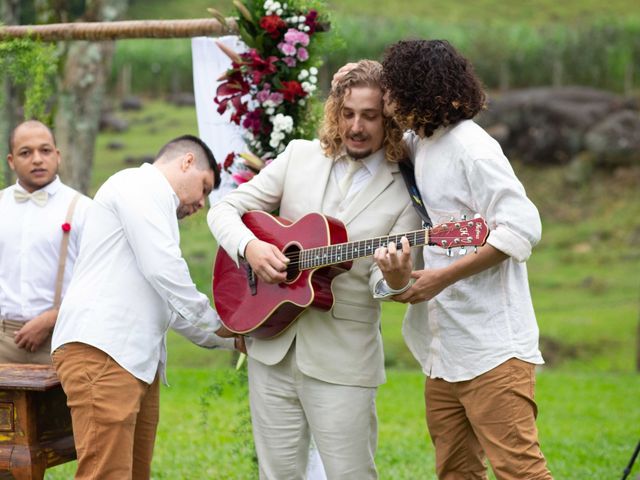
x,y
462,233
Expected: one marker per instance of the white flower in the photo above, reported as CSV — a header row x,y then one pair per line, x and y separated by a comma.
x,y
313,79
303,74
308,87
313,71
301,102
279,11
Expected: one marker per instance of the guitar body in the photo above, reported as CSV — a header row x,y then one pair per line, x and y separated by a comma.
x,y
247,305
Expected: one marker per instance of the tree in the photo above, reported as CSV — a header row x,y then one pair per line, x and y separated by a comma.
x,y
81,93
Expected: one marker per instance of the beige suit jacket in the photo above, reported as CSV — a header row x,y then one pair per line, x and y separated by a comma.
x,y
343,345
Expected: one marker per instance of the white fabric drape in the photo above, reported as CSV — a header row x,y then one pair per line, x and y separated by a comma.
x,y
222,136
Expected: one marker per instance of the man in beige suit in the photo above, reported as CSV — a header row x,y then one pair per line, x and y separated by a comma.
x,y
321,375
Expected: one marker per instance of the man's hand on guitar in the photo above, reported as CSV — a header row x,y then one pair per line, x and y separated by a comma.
x,y
267,261
395,264
428,284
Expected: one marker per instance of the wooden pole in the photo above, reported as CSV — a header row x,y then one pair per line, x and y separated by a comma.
x,y
96,31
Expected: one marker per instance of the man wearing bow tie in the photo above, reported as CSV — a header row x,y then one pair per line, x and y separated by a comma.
x,y
41,222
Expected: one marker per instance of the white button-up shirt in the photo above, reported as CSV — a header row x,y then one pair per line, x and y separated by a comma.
x,y
131,283
30,238
481,321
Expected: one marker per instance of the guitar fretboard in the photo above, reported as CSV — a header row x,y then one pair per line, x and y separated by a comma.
x,y
344,252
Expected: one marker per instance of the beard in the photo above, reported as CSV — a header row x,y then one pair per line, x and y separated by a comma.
x,y
183,211
358,154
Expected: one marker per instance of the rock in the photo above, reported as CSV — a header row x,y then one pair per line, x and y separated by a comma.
x,y
131,103
115,145
616,139
553,125
111,122
182,99
139,160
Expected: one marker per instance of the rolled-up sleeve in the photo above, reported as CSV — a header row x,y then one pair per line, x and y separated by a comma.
x,y
513,219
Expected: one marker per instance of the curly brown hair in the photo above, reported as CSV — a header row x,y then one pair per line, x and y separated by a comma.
x,y
431,85
365,73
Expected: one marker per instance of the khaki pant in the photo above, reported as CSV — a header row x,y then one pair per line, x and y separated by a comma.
x,y
493,414
11,353
114,414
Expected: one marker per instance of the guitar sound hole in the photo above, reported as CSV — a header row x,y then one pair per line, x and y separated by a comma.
x,y
292,252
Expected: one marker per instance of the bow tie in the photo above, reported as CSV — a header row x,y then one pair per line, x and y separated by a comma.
x,y
39,197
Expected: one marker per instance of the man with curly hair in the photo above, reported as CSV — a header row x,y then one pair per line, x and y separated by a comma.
x,y
471,322
320,376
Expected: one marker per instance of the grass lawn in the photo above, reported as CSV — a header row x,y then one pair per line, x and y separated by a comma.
x,y
588,426
585,287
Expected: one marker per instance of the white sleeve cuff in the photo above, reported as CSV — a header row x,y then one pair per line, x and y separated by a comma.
x,y
383,290
510,243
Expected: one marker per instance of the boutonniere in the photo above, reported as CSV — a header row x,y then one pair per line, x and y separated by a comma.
x,y
66,227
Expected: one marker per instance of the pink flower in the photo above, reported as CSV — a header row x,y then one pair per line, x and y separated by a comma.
x,y
287,49
303,54
242,176
289,61
276,98
294,36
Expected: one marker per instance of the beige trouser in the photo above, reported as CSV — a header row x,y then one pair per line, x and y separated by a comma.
x,y
114,414
11,353
493,414
287,406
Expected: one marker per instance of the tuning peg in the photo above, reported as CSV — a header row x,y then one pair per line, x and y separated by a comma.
x,y
477,215
463,218
475,249
449,252
462,251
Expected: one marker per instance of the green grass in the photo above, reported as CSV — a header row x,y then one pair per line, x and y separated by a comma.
x,y
588,426
585,288
534,11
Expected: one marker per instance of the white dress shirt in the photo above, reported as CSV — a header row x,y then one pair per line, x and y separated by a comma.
x,y
481,321
30,238
131,283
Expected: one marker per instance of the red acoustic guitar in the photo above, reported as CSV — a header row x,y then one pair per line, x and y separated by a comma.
x,y
318,249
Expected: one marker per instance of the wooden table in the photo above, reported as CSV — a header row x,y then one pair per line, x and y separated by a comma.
x,y
35,424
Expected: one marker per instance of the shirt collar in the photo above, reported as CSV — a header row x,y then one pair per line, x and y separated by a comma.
x,y
371,163
149,167
51,188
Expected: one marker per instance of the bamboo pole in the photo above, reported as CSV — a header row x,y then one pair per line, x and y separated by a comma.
x,y
95,31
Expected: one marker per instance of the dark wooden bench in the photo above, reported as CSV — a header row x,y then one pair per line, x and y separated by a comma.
x,y
35,424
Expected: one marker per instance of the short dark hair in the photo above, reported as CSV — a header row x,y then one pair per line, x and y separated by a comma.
x,y
12,135
188,143
431,84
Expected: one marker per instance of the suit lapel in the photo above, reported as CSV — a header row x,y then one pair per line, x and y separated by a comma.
x,y
313,179
371,191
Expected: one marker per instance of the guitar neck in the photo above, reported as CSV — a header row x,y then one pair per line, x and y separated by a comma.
x,y
344,252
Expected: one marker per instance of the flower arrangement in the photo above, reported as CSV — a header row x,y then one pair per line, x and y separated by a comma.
x,y
269,88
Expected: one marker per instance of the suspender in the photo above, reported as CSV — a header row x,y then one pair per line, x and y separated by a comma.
x,y
64,250
406,168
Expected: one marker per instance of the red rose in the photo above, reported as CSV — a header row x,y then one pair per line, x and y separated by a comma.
x,y
273,25
292,89
228,161
66,227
